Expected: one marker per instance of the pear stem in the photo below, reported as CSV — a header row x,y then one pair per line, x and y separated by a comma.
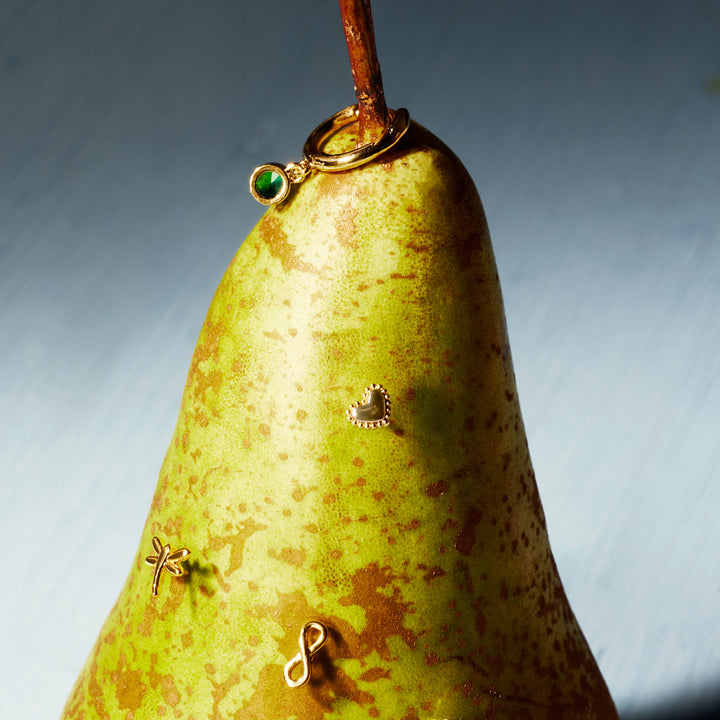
x,y
357,22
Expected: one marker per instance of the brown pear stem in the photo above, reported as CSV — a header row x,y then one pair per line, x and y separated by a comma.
x,y
357,22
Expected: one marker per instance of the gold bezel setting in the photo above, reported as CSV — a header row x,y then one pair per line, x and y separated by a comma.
x,y
272,169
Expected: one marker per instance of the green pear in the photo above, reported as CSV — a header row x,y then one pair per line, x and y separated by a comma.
x,y
418,545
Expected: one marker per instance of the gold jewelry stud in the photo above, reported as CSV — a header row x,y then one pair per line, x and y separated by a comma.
x,y
166,559
270,183
307,650
373,411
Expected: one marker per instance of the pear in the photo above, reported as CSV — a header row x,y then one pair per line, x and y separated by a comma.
x,y
415,543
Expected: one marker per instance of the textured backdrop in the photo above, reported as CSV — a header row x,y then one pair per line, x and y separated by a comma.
x,y
127,134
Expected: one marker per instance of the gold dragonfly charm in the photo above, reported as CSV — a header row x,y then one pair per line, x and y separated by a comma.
x,y
166,559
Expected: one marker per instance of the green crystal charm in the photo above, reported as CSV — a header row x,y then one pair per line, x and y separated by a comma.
x,y
269,184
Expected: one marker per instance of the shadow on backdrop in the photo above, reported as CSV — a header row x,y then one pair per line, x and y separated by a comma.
x,y
695,706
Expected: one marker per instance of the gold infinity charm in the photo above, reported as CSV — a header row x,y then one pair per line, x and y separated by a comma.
x,y
270,183
307,650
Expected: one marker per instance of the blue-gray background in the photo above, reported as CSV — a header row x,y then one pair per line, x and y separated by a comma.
x,y
127,134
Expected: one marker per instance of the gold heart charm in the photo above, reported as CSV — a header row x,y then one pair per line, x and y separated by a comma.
x,y
373,411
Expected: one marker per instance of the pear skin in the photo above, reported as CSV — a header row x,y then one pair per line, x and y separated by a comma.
x,y
421,546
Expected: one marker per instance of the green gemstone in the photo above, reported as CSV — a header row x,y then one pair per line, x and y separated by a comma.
x,y
269,184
